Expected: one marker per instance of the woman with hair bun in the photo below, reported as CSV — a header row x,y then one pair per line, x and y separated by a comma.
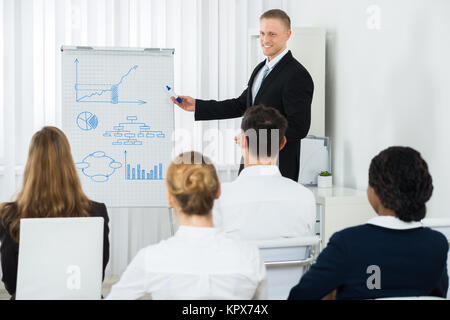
x,y
392,255
198,262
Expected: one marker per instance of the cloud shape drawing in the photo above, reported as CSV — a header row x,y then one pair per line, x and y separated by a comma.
x,y
98,166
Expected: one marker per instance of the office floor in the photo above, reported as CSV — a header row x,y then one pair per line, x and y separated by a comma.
x,y
106,288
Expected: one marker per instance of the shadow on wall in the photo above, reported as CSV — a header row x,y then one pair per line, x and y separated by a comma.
x,y
411,89
330,93
330,81
350,178
415,86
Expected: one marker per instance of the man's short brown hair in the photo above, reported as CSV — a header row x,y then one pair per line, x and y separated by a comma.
x,y
277,14
267,127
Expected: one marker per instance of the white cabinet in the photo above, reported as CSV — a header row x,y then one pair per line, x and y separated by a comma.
x,y
339,208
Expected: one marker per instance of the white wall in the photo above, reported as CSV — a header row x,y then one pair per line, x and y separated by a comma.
x,y
385,87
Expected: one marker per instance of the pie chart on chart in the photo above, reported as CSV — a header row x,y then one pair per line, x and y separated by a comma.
x,y
87,121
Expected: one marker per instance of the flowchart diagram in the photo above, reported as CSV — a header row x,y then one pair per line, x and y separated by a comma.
x,y
132,132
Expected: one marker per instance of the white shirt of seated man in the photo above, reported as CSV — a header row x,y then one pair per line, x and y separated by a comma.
x,y
261,204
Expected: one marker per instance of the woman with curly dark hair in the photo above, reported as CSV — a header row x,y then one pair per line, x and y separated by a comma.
x,y
392,255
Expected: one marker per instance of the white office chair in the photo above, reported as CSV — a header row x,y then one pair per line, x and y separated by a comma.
x,y
286,261
60,258
442,225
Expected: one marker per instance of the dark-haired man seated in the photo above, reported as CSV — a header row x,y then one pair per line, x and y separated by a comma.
x,y
261,204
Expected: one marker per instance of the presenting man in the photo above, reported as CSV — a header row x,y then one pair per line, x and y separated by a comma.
x,y
280,82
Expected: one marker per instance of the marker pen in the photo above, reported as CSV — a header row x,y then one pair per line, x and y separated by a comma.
x,y
172,94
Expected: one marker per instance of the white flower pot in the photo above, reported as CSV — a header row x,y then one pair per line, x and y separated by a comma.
x,y
324,181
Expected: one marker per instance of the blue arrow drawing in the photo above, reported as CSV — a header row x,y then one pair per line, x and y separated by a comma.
x,y
101,93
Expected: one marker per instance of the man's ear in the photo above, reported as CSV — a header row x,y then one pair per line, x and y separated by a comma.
x,y
289,32
243,144
243,141
283,142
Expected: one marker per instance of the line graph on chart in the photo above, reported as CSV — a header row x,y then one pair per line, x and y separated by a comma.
x,y
103,92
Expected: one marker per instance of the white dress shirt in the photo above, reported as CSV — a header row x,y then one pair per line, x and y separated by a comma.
x,y
196,263
261,204
270,65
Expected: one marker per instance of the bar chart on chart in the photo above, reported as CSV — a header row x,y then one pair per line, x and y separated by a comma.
x,y
139,173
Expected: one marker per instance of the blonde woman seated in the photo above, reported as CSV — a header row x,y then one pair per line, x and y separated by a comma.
x,y
198,262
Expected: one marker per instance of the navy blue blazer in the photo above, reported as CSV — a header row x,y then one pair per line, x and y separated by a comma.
x,y
412,262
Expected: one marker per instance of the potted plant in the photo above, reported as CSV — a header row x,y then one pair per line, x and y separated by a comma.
x,y
325,180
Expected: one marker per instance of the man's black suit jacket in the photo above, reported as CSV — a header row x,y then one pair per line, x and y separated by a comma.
x,y
288,88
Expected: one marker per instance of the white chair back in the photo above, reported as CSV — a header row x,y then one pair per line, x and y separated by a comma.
x,y
60,258
286,261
